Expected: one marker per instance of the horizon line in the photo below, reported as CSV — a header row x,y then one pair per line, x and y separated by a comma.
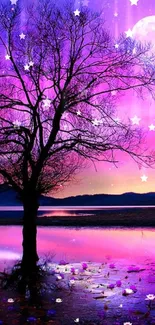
x,y
88,207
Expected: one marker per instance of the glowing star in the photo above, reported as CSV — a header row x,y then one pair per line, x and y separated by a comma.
x,y
13,2
120,305
116,46
129,33
26,67
76,320
31,63
17,124
144,178
150,297
96,122
58,300
7,57
115,14
135,120
46,103
127,323
10,300
133,2
22,36
85,2
78,113
152,127
77,12
113,92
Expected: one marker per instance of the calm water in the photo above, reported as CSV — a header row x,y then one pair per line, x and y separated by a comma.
x,y
49,211
83,244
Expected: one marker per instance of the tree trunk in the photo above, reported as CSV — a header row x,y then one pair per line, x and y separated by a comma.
x,y
30,256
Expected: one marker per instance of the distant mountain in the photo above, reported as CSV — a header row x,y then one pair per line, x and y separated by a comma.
x,y
8,197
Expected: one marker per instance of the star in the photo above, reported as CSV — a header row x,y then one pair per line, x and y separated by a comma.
x,y
26,67
152,127
113,92
7,57
129,33
135,120
115,14
31,63
85,2
144,178
77,12
13,2
16,124
117,119
47,103
133,2
78,112
65,127
22,36
116,46
96,122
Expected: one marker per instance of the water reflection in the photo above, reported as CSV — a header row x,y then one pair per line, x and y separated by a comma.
x,y
86,244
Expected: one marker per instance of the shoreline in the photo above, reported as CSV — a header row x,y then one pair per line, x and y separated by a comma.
x,y
111,218
96,296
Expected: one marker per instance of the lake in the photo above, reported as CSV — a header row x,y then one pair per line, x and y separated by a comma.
x,y
83,244
113,255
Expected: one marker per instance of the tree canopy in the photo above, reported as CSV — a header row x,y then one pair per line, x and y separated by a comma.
x,y
61,75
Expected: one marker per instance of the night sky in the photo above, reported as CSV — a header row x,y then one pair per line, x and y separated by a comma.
x,y
121,16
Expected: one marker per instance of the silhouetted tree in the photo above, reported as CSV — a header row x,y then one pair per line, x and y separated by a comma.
x,y
60,76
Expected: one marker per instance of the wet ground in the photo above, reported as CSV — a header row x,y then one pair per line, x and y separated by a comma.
x,y
88,293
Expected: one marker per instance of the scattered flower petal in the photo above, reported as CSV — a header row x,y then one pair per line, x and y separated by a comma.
x,y
72,282
133,287
84,266
62,262
118,283
111,286
150,297
10,300
58,300
59,277
133,269
127,292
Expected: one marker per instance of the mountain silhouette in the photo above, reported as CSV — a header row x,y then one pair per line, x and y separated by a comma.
x,y
8,197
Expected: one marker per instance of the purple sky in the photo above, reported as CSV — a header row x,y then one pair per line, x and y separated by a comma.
x,y
120,16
